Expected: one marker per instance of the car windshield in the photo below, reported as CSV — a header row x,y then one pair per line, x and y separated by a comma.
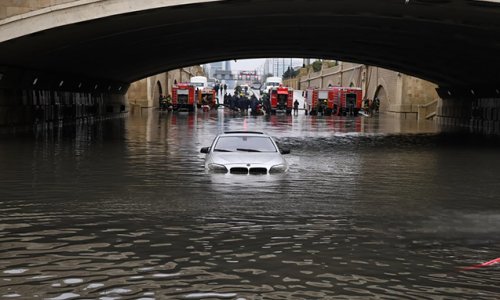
x,y
244,144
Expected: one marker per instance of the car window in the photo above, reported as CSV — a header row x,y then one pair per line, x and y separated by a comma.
x,y
244,143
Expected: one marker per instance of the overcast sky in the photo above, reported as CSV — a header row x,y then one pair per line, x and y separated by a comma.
x,y
257,64
247,64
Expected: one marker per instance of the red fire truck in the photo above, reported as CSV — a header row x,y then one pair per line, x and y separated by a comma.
x,y
336,100
183,97
320,101
281,99
210,95
348,101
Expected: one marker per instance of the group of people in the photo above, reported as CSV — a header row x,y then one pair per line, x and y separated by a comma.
x,y
222,88
371,106
241,102
165,102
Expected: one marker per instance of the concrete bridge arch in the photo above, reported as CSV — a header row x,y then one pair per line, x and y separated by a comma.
x,y
126,40
111,43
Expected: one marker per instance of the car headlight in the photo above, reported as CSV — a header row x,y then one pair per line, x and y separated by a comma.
x,y
216,168
278,169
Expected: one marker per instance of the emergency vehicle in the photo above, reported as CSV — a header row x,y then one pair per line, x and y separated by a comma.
x,y
199,82
320,101
281,99
348,101
183,97
210,95
272,82
334,100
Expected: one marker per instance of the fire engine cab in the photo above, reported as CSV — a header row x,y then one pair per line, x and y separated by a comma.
x,y
183,97
334,100
281,99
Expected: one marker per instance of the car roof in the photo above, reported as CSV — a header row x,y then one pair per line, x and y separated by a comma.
x,y
243,132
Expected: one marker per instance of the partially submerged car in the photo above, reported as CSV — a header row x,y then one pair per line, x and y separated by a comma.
x,y
245,152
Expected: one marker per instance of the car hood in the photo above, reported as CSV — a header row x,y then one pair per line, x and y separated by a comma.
x,y
226,158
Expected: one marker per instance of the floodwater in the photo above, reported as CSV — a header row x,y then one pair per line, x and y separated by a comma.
x,y
372,208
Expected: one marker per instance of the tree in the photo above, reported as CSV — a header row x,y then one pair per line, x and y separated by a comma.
x,y
290,73
317,65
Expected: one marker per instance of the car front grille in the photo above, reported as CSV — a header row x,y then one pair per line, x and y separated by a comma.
x,y
258,171
253,171
239,171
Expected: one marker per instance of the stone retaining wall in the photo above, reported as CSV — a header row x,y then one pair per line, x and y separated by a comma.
x,y
401,94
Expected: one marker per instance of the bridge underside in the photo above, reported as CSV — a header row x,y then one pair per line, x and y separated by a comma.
x,y
449,42
453,43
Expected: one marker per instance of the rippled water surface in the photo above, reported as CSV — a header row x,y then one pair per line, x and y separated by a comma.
x,y
371,208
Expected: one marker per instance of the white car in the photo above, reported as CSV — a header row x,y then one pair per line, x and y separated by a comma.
x,y
245,152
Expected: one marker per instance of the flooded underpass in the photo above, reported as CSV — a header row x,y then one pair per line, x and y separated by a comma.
x,y
371,208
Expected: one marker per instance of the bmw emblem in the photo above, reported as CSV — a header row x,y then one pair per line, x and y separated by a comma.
x,y
248,165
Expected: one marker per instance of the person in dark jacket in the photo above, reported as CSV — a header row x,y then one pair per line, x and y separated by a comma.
x,y
296,107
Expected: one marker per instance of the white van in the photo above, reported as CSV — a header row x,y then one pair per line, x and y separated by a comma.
x,y
200,82
272,82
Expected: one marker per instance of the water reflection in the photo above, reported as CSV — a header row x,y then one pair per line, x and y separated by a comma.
x,y
371,208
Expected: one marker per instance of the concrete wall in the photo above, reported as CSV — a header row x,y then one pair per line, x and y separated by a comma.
x,y
27,106
481,115
398,93
28,97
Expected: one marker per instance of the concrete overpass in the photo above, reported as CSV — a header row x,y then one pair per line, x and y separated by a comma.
x,y
92,45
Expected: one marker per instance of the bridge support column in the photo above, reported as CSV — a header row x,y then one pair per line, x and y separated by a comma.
x,y
476,109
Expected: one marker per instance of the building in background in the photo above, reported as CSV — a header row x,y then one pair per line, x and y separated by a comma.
x,y
215,67
225,76
278,66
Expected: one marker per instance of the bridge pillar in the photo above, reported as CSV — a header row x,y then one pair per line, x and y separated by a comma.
x,y
477,109
28,97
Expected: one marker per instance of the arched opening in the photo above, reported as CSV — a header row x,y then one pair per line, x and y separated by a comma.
x,y
381,99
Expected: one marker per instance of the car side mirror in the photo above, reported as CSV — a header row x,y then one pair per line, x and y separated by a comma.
x,y
285,151
205,150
